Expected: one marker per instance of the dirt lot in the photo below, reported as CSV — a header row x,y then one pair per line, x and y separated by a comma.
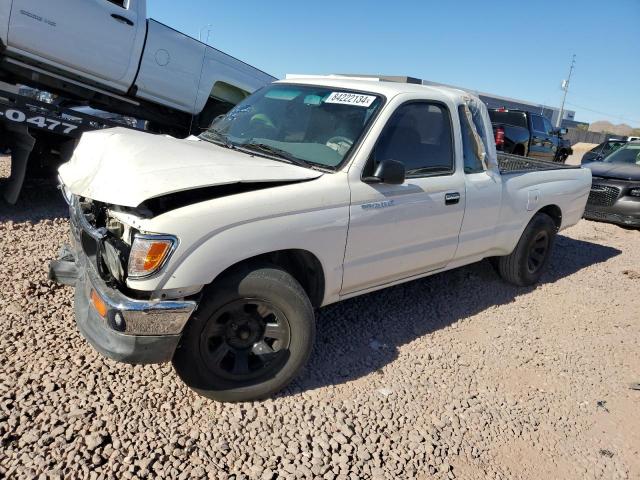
x,y
453,376
579,149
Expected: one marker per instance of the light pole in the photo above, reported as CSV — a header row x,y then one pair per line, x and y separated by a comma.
x,y
565,87
209,27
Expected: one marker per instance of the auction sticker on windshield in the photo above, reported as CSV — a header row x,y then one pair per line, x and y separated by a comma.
x,y
345,98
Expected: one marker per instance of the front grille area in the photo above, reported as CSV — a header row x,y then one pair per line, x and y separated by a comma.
x,y
596,214
611,217
603,195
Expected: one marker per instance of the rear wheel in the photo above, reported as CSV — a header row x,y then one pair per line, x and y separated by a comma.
x,y
252,333
525,265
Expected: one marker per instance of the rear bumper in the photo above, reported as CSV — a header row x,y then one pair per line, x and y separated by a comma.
x,y
131,330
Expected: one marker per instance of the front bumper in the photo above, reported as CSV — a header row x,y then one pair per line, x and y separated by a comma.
x,y
592,213
610,201
131,330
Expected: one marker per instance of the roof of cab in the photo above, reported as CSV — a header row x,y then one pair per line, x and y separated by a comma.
x,y
379,86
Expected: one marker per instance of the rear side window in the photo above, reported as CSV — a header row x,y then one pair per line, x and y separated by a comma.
x,y
472,161
418,135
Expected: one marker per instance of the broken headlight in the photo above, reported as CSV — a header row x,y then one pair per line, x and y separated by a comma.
x,y
66,193
114,256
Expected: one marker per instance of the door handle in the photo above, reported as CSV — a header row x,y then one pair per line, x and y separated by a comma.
x,y
122,19
451,198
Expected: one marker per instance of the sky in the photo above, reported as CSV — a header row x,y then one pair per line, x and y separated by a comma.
x,y
518,49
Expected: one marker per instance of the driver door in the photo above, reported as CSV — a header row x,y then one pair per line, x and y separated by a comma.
x,y
400,231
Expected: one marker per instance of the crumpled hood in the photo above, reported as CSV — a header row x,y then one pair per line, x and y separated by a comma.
x,y
622,171
126,167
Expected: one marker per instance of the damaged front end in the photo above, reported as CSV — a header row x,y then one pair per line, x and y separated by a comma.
x,y
120,323
104,240
114,248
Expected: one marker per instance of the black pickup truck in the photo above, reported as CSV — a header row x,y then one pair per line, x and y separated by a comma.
x,y
529,135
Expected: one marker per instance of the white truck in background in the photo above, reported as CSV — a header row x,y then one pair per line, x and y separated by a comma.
x,y
107,55
211,252
109,52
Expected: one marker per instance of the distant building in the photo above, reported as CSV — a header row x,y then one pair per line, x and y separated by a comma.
x,y
493,101
497,101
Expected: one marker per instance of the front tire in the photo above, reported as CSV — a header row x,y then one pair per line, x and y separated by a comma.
x,y
250,336
562,156
525,265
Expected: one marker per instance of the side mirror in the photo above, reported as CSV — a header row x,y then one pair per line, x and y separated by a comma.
x,y
563,131
388,171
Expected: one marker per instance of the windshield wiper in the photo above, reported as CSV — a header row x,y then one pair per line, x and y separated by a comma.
x,y
276,152
214,136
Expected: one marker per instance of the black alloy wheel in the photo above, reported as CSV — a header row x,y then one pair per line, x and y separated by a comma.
x,y
526,263
250,336
538,251
245,339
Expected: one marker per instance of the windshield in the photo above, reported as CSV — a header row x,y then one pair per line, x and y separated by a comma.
x,y
627,154
302,124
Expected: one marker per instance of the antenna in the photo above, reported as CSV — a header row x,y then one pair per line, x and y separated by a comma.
x,y
565,87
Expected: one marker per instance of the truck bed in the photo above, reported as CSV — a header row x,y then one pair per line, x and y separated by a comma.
x,y
516,164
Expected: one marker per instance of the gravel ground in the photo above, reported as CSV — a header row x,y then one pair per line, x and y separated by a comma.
x,y
455,376
5,167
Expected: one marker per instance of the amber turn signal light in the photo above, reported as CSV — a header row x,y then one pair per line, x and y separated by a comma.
x,y
148,254
98,304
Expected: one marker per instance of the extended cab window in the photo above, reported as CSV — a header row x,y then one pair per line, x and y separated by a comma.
x,y
418,135
472,161
120,3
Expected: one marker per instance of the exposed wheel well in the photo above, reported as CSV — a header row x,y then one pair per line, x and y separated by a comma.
x,y
302,265
554,212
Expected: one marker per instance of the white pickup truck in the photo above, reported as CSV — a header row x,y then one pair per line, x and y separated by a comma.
x,y
212,252
106,51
